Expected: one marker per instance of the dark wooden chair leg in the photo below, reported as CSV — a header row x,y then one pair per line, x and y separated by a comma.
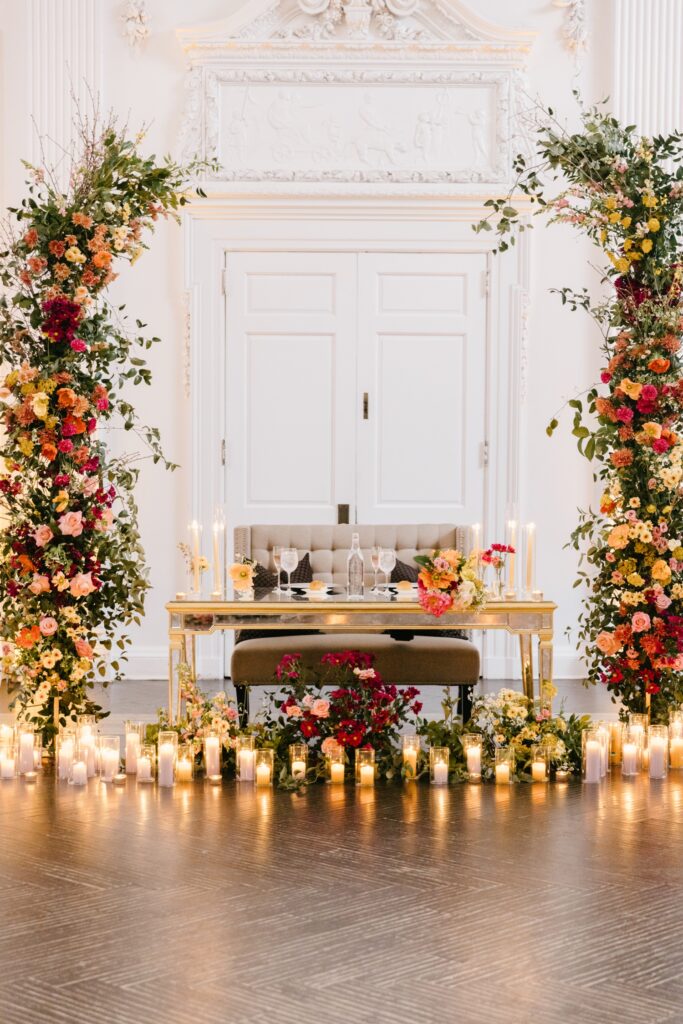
x,y
242,693
466,702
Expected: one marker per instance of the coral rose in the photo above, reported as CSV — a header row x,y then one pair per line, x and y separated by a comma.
x,y
293,711
66,398
84,650
48,625
43,535
622,457
640,622
39,584
607,643
81,585
618,537
71,524
321,708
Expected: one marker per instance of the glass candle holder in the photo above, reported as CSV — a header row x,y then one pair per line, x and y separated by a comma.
x,y
336,763
110,757
411,755
439,758
365,767
245,756
64,753
38,752
539,764
298,760
8,761
631,751
78,772
676,744
471,746
592,754
6,735
264,766
505,766
184,769
602,730
616,740
167,755
86,734
212,754
134,733
26,739
637,732
658,747
147,759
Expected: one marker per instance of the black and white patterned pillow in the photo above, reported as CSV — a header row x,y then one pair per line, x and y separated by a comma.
x,y
404,572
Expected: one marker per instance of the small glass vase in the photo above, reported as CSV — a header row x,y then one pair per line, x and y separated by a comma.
x,y
298,760
411,756
244,758
110,757
212,754
134,733
505,766
264,765
439,758
658,748
365,766
539,764
147,763
167,755
472,749
184,769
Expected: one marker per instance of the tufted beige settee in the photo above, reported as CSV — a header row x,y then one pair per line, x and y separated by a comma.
x,y
424,660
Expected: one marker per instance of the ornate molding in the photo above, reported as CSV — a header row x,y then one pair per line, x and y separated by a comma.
x,y
575,28
187,342
135,22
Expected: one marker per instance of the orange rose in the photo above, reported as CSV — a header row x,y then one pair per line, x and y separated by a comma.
x,y
102,259
28,636
66,397
49,452
659,365
618,537
26,563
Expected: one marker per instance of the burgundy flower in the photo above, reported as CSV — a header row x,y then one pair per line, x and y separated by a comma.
x,y
61,319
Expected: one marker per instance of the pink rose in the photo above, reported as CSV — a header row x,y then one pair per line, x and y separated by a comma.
x,y
607,643
308,701
640,622
48,625
90,486
105,522
71,524
294,711
329,746
39,584
42,536
84,650
81,585
662,601
231,714
365,673
321,708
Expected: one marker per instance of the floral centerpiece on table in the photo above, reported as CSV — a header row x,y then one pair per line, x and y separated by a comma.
x,y
242,574
448,580
496,557
345,701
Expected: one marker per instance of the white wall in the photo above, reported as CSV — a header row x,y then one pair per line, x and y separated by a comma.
x,y
562,347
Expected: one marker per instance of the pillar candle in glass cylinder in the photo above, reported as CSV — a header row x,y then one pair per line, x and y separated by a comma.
x,y
134,737
676,752
212,754
539,764
66,747
658,745
616,734
86,734
298,760
505,766
637,733
244,755
603,736
79,773
411,753
471,746
110,756
264,763
26,740
365,766
629,757
184,769
336,761
167,753
6,734
146,763
592,755
8,761
439,758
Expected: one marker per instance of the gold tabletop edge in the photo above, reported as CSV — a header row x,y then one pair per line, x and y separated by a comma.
x,y
215,607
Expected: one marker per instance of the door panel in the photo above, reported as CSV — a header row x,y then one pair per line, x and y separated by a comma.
x,y
291,352
422,363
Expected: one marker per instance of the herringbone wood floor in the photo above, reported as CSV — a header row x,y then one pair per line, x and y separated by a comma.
x,y
481,905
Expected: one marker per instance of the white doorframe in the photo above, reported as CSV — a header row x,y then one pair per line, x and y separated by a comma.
x,y
215,226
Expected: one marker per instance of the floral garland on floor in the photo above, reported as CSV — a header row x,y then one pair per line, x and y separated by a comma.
x,y
72,570
626,194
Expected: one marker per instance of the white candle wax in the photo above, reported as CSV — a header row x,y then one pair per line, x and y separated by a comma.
x,y
530,540
502,774
629,758
7,767
676,752
657,757
299,769
594,758
26,740
132,752
79,773
603,737
410,760
367,774
262,774
66,756
246,765
212,755
474,760
184,770
144,771
440,773
336,772
109,763
166,764
538,773
218,534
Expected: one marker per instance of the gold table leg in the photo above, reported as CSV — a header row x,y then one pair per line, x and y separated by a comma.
x,y
177,656
527,655
545,668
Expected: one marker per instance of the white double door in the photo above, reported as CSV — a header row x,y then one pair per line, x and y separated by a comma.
x,y
355,379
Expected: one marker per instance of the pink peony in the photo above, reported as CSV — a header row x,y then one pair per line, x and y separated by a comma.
x,y
48,625
436,602
640,622
321,708
39,584
82,585
71,524
84,650
624,414
294,711
42,536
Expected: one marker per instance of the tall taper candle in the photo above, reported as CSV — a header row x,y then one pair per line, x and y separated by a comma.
x,y
218,546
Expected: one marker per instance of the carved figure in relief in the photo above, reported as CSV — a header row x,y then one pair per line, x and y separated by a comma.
x,y
289,120
376,138
478,124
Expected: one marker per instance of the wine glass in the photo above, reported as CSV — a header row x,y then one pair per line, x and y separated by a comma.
x,y
289,560
387,561
277,555
375,555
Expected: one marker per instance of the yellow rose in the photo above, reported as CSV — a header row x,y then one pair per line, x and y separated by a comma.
x,y
622,265
614,218
626,222
660,571
631,388
60,501
27,389
678,554
611,203
628,244
646,245
650,201
74,255
635,580
653,224
40,404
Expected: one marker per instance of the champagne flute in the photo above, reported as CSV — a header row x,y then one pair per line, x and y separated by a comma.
x,y
289,560
387,561
277,555
375,555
